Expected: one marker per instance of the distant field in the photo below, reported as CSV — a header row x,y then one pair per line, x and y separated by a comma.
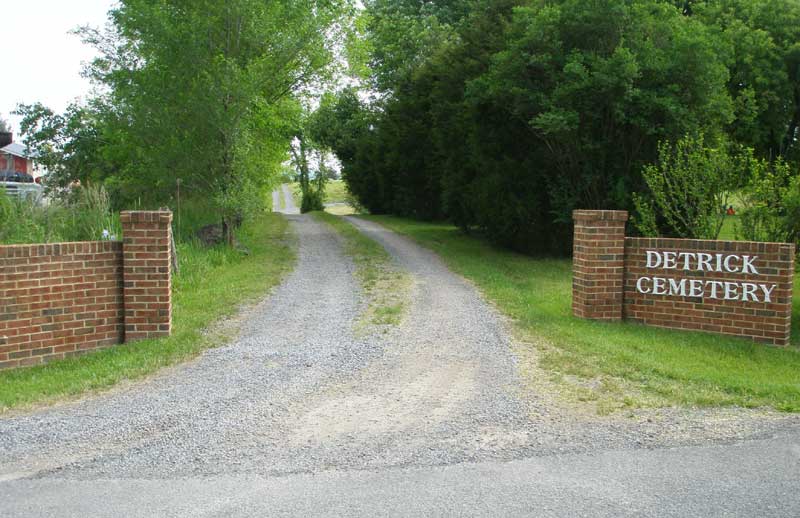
x,y
729,227
336,192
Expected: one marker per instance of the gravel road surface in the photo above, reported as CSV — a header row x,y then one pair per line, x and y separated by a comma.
x,y
306,414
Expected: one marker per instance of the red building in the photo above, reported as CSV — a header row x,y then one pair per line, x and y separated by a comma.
x,y
14,157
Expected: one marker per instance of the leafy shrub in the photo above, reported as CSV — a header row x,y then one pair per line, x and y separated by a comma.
x,y
689,190
312,200
313,192
771,204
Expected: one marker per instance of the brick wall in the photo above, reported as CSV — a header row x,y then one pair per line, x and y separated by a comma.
x,y
727,287
756,318
58,300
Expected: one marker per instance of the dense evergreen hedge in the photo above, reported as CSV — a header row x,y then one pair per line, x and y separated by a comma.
x,y
503,115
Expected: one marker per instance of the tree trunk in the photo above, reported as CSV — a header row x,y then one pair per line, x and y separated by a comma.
x,y
227,231
793,125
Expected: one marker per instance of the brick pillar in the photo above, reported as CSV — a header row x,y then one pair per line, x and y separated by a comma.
x,y
598,264
146,273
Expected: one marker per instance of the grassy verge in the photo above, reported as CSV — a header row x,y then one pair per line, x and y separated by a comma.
x,y
729,228
336,192
615,366
211,284
386,286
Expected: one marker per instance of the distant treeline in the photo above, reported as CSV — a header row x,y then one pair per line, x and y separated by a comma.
x,y
505,115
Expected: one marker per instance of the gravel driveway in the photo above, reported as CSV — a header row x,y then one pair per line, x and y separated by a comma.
x,y
301,391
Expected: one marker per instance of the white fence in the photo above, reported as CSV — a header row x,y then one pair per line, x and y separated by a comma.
x,y
29,191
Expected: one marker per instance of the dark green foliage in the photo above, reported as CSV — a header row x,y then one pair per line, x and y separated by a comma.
x,y
312,189
763,57
771,204
506,115
599,85
312,201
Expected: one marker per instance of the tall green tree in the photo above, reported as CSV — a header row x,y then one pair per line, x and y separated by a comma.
x,y
505,115
764,63
200,90
210,82
73,146
599,85
401,35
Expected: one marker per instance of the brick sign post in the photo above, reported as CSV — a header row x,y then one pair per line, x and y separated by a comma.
x,y
727,287
598,264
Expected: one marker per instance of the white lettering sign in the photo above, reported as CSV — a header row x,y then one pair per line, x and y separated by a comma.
x,y
700,288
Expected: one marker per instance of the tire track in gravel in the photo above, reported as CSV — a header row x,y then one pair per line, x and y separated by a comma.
x,y
300,391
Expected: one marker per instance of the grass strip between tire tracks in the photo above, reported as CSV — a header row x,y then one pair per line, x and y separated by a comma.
x,y
212,284
385,284
614,366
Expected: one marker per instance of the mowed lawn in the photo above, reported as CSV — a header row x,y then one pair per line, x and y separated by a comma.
x,y
336,192
211,285
615,365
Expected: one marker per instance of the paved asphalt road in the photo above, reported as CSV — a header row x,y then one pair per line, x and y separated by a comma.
x,y
304,414
752,479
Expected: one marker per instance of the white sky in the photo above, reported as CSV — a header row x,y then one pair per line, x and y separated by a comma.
x,y
42,61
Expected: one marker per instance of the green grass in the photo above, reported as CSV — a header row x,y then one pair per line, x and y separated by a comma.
x,y
212,283
82,217
336,192
728,232
615,366
385,285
